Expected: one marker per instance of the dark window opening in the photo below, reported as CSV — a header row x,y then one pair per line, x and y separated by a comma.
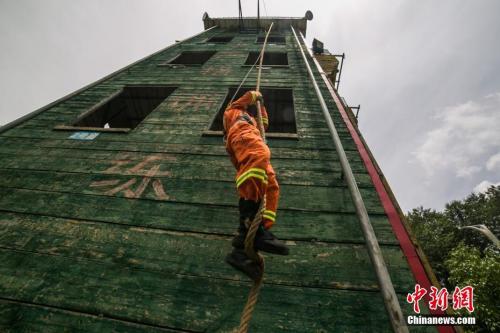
x,y
270,58
279,106
126,108
192,58
271,39
220,39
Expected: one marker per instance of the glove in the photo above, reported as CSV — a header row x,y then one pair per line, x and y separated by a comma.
x,y
257,96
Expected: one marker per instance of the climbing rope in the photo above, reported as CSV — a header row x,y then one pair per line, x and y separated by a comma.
x,y
243,81
253,295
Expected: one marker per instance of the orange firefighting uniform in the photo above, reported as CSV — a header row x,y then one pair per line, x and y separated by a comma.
x,y
250,156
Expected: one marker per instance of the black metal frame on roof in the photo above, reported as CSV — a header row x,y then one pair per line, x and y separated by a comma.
x,y
357,108
337,81
241,26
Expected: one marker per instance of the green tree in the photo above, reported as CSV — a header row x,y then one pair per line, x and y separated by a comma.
x,y
437,235
467,266
462,257
482,208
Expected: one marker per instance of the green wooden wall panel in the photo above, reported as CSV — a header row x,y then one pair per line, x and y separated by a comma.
x,y
312,264
19,317
207,167
183,302
19,145
194,138
311,198
291,224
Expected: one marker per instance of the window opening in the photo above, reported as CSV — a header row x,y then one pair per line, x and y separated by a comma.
x,y
123,110
191,58
220,39
279,106
271,39
270,58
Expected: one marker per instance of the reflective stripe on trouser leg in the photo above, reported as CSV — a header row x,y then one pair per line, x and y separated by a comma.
x,y
252,188
270,215
272,198
252,172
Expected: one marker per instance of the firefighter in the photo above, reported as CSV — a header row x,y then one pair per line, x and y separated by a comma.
x,y
255,178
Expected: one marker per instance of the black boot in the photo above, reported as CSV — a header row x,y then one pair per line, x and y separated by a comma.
x,y
239,260
264,240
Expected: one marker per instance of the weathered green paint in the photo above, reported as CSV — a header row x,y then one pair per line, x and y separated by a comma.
x,y
16,317
78,254
185,191
21,146
158,250
181,301
309,172
295,224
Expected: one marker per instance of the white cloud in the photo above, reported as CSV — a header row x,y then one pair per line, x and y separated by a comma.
x,y
467,171
493,162
484,185
464,139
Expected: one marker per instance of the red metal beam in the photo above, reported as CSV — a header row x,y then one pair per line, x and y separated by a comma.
x,y
405,242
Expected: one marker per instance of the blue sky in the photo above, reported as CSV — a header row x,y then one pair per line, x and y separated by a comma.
x,y
426,73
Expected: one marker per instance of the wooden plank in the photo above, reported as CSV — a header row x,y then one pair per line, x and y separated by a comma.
x,y
93,129
88,161
291,224
284,176
22,147
177,137
203,167
164,120
311,264
18,317
16,144
158,188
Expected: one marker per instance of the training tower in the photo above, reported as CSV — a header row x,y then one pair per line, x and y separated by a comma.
x,y
118,202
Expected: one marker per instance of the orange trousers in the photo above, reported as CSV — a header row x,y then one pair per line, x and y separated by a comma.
x,y
255,175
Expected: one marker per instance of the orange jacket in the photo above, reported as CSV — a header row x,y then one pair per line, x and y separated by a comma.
x,y
237,111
